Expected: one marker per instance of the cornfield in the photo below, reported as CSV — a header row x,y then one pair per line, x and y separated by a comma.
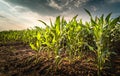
x,y
72,40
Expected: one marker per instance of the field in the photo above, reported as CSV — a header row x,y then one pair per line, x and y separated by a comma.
x,y
63,48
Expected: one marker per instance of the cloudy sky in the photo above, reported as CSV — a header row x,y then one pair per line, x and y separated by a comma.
x,y
22,14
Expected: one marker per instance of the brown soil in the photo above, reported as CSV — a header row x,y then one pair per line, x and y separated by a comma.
x,y
20,60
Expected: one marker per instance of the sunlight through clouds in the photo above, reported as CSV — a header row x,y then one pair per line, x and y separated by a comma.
x,y
21,14
54,5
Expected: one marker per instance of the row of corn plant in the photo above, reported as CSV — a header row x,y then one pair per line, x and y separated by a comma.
x,y
74,36
25,36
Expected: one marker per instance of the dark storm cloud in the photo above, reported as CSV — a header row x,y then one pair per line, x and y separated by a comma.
x,y
99,7
49,7
39,6
56,7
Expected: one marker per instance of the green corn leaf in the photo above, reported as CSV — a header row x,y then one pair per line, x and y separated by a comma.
x,y
38,36
101,20
63,21
43,23
114,22
96,19
37,44
54,38
74,18
37,27
80,21
93,22
90,47
33,47
107,19
51,23
57,22
88,12
57,25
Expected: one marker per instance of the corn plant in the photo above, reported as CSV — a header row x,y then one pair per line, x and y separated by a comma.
x,y
102,30
36,39
74,35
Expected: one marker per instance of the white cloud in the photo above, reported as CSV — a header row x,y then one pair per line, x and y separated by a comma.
x,y
53,4
2,1
94,8
80,2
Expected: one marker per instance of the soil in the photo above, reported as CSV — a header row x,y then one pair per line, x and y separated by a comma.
x,y
18,59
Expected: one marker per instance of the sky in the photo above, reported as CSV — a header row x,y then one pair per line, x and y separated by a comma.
x,y
23,14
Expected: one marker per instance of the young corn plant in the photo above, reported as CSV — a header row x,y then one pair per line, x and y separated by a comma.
x,y
74,35
53,35
101,29
37,44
